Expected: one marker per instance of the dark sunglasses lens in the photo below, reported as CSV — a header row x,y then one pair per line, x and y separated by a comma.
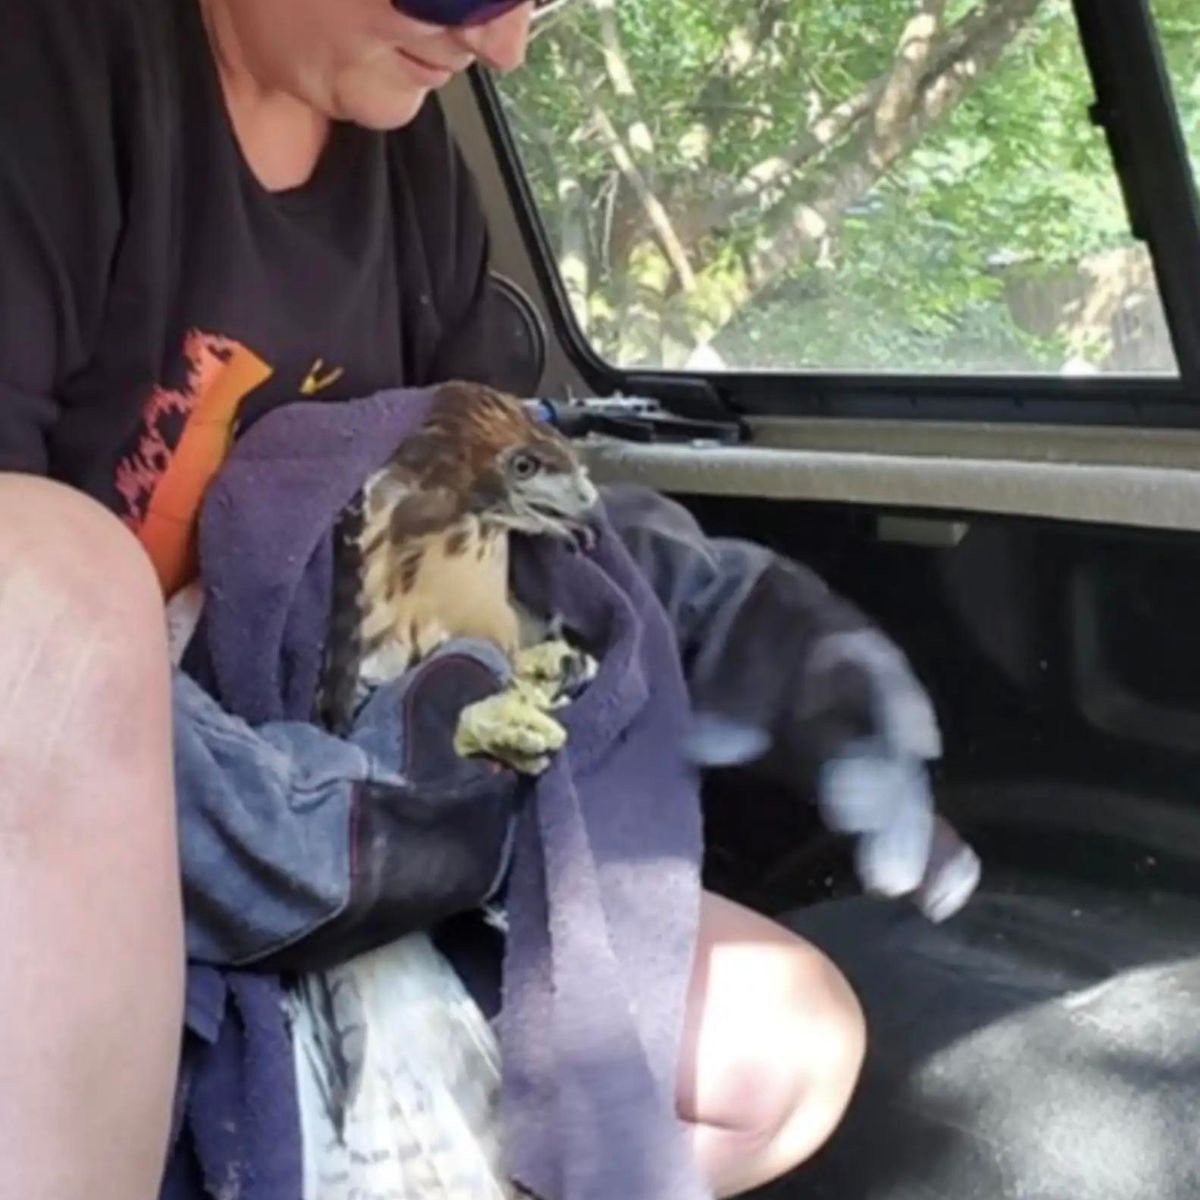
x,y
455,12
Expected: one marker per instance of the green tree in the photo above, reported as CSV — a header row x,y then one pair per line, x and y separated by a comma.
x,y
892,184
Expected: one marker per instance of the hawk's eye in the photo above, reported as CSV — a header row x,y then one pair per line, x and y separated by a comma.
x,y
524,466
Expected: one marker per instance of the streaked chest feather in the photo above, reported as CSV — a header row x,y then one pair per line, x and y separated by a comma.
x,y
452,584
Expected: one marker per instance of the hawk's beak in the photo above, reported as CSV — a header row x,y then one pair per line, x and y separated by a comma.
x,y
589,495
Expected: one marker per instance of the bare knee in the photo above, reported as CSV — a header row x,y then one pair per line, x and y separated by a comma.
x,y
89,880
802,1062
773,1048
83,663
826,1030
63,549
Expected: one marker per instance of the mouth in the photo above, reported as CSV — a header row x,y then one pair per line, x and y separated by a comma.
x,y
564,512
544,520
426,73
577,530
542,516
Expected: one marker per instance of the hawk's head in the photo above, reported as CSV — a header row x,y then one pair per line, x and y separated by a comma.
x,y
506,468
535,486
420,553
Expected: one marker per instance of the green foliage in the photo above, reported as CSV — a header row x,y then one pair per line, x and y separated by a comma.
x,y
1179,29
972,247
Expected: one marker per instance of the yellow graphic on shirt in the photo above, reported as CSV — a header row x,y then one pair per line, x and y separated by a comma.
x,y
318,379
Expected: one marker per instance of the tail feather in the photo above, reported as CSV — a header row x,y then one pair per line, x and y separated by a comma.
x,y
338,694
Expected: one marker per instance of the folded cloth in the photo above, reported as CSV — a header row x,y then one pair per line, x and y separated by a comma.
x,y
603,895
237,1128
300,852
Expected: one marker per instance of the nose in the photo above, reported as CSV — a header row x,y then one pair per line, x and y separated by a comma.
x,y
501,42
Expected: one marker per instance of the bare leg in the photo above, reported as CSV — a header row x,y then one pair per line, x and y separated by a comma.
x,y
772,1050
90,906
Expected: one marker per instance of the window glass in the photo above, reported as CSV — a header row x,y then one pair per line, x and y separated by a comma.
x,y
835,185
1179,31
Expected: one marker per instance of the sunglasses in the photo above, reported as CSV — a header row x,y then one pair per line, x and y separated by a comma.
x,y
470,12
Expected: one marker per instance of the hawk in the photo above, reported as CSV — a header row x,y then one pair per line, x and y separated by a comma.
x,y
422,554
398,1072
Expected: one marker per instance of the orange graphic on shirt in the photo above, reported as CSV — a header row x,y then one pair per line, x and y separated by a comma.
x,y
185,436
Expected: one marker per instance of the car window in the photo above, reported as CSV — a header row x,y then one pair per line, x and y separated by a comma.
x,y
1179,31
832,186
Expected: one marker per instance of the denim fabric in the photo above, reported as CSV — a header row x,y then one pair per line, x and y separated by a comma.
x,y
266,811
599,945
792,681
267,814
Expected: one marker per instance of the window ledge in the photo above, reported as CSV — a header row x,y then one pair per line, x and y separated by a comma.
x,y
1127,477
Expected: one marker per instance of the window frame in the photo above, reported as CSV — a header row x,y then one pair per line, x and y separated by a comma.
x,y
1134,107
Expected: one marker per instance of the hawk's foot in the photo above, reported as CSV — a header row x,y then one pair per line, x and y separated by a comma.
x,y
511,727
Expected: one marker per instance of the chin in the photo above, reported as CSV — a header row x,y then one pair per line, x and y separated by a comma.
x,y
379,103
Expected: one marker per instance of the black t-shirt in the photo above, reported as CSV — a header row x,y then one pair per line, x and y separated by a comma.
x,y
154,296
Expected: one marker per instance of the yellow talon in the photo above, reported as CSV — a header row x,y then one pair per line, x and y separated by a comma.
x,y
511,727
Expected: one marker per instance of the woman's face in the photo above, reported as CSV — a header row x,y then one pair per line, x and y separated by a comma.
x,y
362,60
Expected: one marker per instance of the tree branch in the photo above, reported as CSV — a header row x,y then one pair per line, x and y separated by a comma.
x,y
573,259
799,224
773,175
777,170
666,236
902,86
638,136
738,53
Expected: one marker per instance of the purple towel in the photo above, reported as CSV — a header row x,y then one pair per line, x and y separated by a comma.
x,y
603,904
265,545
237,1127
604,894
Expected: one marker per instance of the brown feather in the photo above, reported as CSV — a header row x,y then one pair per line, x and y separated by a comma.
x,y
408,567
427,511
467,427
433,566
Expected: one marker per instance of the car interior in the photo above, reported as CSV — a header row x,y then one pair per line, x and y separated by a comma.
x,y
911,292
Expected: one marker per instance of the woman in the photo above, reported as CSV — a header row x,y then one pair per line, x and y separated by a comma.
x,y
208,208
